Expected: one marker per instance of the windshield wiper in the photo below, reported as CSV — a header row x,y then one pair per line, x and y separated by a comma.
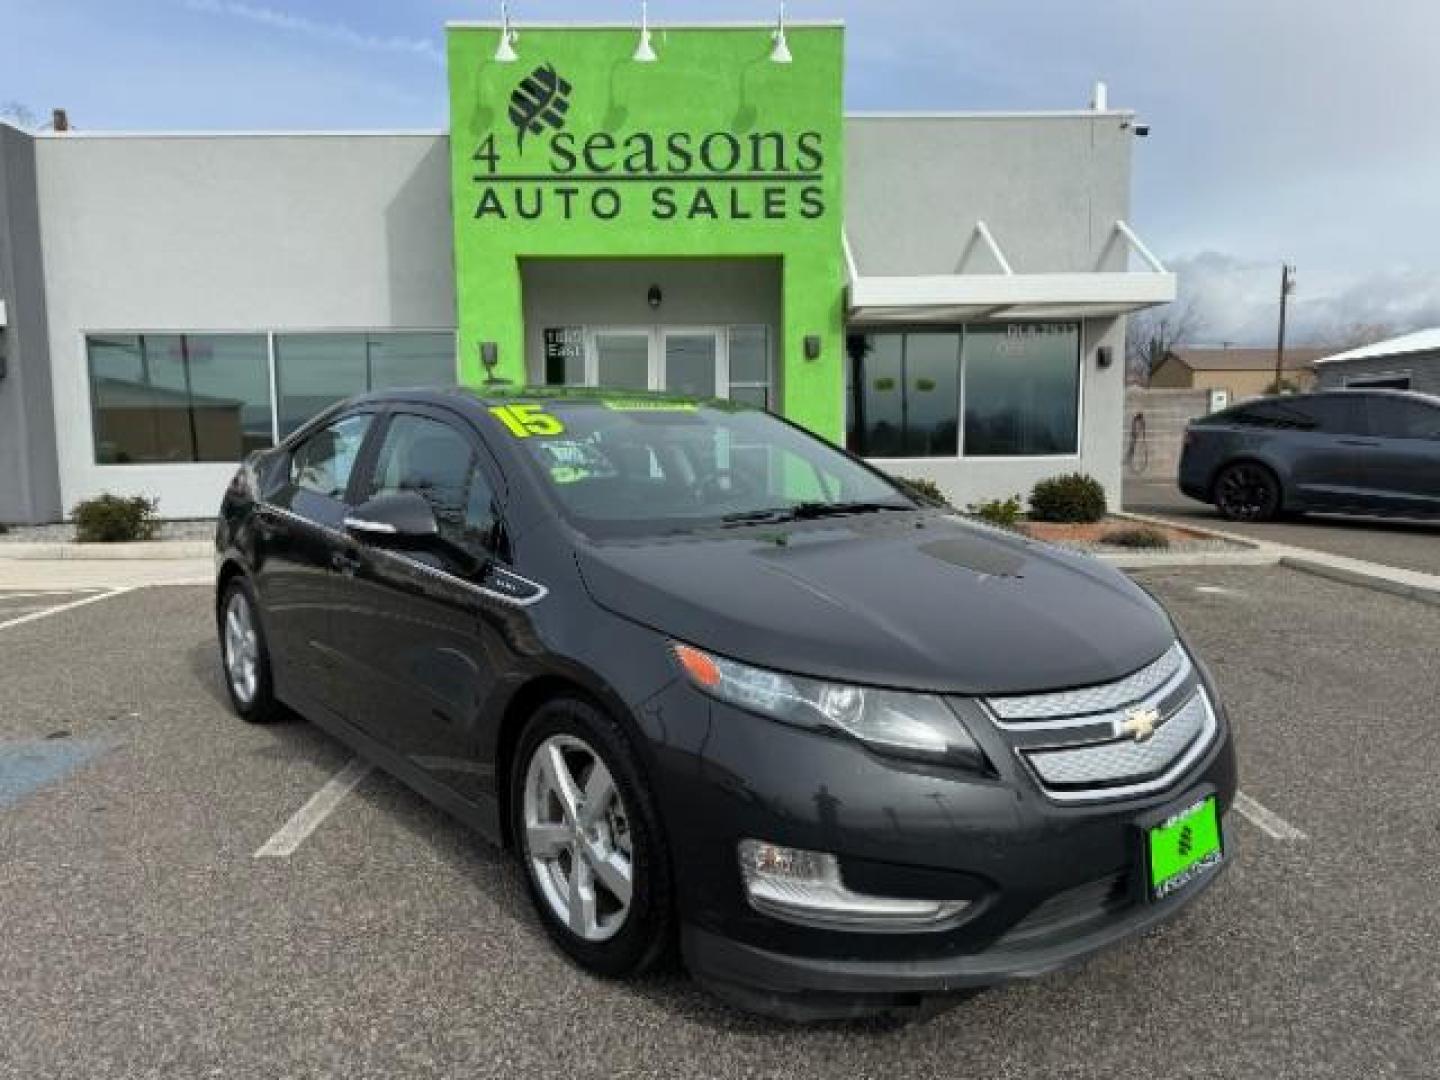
x,y
806,511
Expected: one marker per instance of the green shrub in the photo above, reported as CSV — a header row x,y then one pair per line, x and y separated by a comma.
x,y
927,491
4,529
1002,512
111,519
1072,498
1137,536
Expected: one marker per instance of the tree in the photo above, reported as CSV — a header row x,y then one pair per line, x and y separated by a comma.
x,y
1353,335
1152,335
19,114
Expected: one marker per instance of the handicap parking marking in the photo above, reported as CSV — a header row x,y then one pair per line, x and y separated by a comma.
x,y
313,814
28,766
1266,820
91,597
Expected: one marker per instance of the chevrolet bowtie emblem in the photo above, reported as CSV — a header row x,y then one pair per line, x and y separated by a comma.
x,y
1139,724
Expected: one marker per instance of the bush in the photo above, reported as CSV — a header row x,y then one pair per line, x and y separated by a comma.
x,y
111,519
4,529
1072,498
1002,512
927,491
1137,536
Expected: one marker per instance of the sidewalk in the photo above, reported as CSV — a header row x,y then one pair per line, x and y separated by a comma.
x,y
75,573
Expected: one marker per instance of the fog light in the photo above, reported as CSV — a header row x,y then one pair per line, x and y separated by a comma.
x,y
805,887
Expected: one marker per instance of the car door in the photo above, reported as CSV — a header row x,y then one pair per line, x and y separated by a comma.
x,y
1403,463
301,527
1326,448
421,633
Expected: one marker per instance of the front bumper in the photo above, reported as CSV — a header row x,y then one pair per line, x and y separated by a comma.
x,y
1049,883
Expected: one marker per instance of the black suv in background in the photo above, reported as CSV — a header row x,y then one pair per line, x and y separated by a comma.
x,y
1346,451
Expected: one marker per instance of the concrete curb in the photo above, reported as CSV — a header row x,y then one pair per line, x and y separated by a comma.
x,y
1409,584
146,549
1181,559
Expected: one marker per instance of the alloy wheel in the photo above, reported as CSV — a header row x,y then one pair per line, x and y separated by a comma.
x,y
1246,493
242,648
577,838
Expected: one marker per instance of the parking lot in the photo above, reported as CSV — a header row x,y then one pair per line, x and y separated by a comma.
x,y
144,936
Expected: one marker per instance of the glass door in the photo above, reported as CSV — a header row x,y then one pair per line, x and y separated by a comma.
x,y
692,362
621,359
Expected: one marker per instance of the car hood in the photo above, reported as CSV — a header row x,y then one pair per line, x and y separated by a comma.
x,y
924,601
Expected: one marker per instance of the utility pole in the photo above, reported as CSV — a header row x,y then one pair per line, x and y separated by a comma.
x,y
1287,286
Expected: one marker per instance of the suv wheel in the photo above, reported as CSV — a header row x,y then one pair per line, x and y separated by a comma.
x,y
1247,492
245,655
589,838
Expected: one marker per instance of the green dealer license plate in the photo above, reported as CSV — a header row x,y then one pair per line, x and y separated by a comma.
x,y
1184,846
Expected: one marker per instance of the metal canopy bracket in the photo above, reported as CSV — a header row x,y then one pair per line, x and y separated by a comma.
x,y
1010,295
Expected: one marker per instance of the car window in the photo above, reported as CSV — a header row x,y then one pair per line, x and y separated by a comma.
x,y
1336,414
324,461
436,460
1269,414
1399,418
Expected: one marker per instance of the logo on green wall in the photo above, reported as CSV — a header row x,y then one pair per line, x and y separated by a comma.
x,y
540,101
667,175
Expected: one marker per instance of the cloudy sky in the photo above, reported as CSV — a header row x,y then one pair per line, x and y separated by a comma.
x,y
1300,130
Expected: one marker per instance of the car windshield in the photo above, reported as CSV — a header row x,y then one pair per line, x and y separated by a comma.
x,y
653,465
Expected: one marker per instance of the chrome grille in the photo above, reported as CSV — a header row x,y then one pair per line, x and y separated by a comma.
x,y
1077,745
1124,761
1093,699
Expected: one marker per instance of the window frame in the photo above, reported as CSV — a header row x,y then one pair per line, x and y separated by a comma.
x,y
963,329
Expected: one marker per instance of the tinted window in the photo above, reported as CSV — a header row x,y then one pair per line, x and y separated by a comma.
x,y
905,394
313,371
179,397
324,461
1399,418
437,461
1269,414
1337,414
1022,389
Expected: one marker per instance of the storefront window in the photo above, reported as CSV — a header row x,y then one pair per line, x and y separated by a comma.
x,y
750,365
316,370
1022,389
161,398
905,399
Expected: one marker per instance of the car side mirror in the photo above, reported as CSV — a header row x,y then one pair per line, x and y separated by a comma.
x,y
404,517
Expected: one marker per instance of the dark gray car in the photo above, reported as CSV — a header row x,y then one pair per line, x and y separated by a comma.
x,y
1347,451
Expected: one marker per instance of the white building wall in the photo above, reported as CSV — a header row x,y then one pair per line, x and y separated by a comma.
x,y
216,233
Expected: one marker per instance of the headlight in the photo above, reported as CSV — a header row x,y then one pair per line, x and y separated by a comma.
x,y
909,725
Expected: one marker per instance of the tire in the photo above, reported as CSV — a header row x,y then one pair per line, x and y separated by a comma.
x,y
252,695
1247,491
607,936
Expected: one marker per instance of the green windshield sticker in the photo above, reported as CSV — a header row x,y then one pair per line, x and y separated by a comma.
x,y
568,474
523,421
651,406
1184,846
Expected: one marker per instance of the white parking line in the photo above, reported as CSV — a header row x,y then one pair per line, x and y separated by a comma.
x,y
1266,820
63,607
310,816
1217,590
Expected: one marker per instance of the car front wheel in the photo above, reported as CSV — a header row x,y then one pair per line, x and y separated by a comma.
x,y
245,655
1247,492
590,841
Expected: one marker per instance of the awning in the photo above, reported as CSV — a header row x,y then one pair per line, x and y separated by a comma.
x,y
1010,295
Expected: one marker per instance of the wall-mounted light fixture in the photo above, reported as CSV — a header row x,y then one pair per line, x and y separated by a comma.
x,y
780,54
505,51
654,297
812,346
489,356
1104,356
644,51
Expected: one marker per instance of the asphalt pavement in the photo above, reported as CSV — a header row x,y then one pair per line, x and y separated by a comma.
x,y
1409,545
144,938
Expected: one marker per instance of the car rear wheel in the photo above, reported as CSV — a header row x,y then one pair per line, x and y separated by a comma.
x,y
245,656
590,841
1247,492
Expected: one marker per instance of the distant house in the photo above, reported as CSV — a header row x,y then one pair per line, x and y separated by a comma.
x,y
1245,373
1411,362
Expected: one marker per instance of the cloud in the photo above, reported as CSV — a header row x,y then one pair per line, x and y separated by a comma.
x,y
335,32
1237,300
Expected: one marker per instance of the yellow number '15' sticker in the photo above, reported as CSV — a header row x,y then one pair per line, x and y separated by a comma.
x,y
526,420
